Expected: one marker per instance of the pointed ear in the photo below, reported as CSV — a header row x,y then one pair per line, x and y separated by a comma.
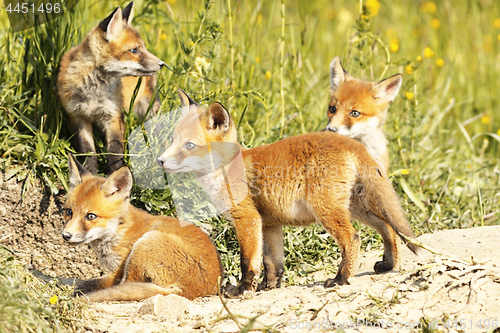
x,y
128,13
113,24
218,117
337,74
387,90
185,99
119,183
76,172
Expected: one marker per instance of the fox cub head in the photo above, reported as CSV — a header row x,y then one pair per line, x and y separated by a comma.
x,y
119,48
358,107
204,139
94,204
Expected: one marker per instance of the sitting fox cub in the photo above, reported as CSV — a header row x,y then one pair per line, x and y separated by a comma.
x,y
145,254
96,82
358,109
318,177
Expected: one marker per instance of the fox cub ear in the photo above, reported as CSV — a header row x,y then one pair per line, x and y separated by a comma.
x,y
119,183
387,90
218,117
128,13
112,25
76,171
338,75
186,101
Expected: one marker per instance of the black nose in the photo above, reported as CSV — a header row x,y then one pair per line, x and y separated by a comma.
x,y
162,64
160,161
66,236
333,129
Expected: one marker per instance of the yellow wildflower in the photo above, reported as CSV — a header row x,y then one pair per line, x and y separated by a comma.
x,y
53,299
163,36
409,69
485,119
394,45
498,132
428,7
268,75
496,23
440,62
171,2
428,53
498,38
435,23
404,171
259,18
373,7
257,60
419,58
409,95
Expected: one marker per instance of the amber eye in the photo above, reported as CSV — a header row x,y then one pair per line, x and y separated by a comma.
x,y
134,50
90,216
332,109
355,113
190,146
69,212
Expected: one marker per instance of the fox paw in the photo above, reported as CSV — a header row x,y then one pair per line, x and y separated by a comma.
x,y
338,281
382,267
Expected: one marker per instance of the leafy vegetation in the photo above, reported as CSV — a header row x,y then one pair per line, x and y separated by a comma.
x,y
268,63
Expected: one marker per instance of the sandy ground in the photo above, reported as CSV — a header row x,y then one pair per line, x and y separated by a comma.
x,y
456,292
460,293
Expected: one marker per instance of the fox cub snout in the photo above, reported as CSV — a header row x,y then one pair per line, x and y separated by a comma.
x,y
96,82
144,254
358,109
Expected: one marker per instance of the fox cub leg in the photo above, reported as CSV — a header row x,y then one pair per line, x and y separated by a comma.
x,y
338,224
390,238
273,257
83,141
249,232
103,282
114,131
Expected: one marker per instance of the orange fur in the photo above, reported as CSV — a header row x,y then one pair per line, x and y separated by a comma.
x,y
145,254
319,177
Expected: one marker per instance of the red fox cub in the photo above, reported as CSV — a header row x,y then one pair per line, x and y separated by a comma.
x,y
97,80
358,109
145,254
318,177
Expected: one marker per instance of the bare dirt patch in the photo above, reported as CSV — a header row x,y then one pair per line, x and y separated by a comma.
x,y
456,293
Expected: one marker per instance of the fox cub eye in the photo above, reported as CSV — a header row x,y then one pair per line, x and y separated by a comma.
x,y
355,113
134,50
332,109
190,146
90,216
69,212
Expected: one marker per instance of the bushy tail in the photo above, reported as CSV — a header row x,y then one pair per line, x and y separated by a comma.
x,y
383,202
130,291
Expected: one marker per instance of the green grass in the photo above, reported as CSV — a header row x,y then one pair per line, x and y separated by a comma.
x,y
29,305
268,63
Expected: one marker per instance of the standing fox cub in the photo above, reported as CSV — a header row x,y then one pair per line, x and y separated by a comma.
x,y
318,177
96,81
145,254
358,109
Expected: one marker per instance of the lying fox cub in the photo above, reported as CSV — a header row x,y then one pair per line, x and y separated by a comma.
x,y
318,177
145,254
